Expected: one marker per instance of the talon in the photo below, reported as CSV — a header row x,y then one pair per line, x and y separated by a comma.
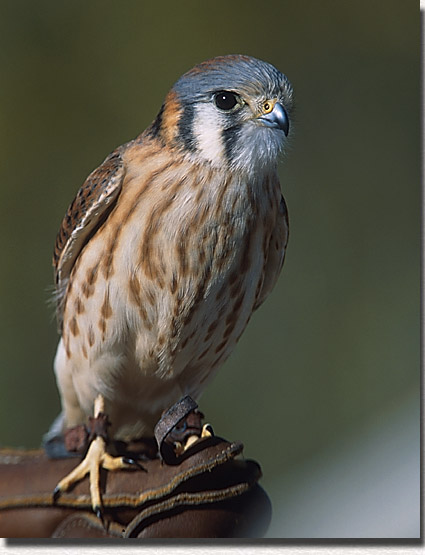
x,y
133,462
207,431
99,513
56,493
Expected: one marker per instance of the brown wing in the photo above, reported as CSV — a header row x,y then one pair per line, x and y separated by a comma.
x,y
87,212
276,253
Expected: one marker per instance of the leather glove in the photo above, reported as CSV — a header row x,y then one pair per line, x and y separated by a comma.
x,y
202,491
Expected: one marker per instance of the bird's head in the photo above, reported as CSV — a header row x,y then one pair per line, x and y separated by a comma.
x,y
232,111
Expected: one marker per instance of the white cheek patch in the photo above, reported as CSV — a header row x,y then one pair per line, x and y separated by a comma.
x,y
207,129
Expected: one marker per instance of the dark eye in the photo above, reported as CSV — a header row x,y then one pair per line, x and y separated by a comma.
x,y
225,100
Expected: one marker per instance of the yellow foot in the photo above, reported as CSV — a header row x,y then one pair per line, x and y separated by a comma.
x,y
95,459
180,448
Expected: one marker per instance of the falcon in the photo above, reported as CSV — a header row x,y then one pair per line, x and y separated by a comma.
x,y
168,248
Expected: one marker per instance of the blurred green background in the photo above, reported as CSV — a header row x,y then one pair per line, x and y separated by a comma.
x,y
336,348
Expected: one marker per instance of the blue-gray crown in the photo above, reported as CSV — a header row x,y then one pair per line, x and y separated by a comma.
x,y
234,72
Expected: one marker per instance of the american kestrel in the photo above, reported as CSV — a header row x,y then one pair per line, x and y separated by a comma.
x,y
170,245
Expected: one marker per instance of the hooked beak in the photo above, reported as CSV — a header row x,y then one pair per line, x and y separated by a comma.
x,y
276,118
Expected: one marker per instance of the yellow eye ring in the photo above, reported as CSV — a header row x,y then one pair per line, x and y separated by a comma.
x,y
267,107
